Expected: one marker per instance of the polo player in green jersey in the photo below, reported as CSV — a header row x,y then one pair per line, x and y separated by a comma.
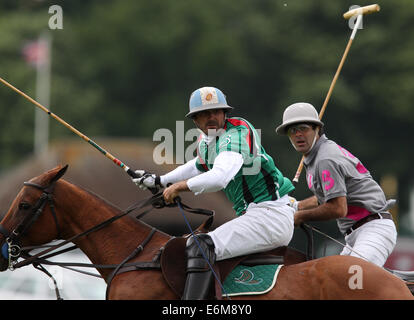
x,y
230,157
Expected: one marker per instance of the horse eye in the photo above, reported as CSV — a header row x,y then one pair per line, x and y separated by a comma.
x,y
24,206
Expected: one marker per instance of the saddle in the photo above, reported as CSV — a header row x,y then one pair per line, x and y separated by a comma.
x,y
173,263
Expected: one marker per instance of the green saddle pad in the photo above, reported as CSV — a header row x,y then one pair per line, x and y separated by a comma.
x,y
246,280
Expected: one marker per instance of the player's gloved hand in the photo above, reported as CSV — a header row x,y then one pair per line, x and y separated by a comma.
x,y
147,180
293,203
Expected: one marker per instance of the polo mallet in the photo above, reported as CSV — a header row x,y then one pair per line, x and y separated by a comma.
x,y
359,12
118,162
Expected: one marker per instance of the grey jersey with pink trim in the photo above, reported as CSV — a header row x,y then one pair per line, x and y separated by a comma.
x,y
332,171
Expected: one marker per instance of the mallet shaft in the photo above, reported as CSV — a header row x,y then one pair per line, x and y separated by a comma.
x,y
331,87
67,125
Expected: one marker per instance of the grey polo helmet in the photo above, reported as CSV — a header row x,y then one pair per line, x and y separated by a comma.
x,y
298,113
207,98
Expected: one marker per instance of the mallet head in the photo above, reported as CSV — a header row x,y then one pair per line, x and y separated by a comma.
x,y
362,10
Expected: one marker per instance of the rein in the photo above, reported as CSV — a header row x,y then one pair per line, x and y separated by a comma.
x,y
154,200
313,228
15,251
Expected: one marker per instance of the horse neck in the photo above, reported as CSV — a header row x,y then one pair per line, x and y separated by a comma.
x,y
82,210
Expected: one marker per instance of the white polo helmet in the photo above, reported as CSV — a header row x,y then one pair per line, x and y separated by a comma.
x,y
207,98
299,113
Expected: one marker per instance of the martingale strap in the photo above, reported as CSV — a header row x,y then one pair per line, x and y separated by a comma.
x,y
132,255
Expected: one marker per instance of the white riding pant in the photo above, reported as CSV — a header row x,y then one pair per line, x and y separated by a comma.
x,y
373,241
264,226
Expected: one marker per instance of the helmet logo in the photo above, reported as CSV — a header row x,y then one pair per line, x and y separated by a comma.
x,y
208,96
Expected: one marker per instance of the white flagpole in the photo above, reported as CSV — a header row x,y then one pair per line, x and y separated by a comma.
x,y
41,134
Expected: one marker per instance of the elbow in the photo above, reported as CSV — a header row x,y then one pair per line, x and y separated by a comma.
x,y
214,185
221,184
341,210
338,207
220,180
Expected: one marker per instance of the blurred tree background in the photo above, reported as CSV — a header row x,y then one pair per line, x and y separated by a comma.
x,y
126,68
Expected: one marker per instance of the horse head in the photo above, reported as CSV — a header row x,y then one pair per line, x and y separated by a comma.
x,y
31,218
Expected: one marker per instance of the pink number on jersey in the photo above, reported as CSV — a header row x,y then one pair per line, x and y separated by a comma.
x,y
326,176
310,181
361,169
346,152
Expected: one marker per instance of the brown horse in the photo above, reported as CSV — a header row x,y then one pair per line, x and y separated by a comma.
x,y
31,221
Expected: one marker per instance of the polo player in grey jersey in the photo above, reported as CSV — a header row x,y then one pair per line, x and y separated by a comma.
x,y
342,186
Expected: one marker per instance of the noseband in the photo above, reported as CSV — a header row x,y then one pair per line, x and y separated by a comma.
x,y
13,251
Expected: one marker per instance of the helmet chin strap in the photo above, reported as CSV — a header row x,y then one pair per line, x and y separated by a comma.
x,y
313,143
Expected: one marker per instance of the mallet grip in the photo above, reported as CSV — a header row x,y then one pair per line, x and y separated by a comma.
x,y
362,10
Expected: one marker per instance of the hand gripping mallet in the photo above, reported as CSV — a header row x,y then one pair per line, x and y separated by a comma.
x,y
347,15
118,162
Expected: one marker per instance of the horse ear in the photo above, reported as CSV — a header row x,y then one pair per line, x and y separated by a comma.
x,y
59,174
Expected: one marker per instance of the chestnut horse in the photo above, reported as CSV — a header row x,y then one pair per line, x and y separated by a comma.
x,y
49,208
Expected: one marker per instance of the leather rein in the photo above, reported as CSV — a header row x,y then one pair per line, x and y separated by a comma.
x,y
15,251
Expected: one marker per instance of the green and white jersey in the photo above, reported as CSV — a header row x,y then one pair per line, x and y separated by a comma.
x,y
258,179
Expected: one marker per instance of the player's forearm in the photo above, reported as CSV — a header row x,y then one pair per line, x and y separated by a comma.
x,y
320,213
333,209
308,203
183,172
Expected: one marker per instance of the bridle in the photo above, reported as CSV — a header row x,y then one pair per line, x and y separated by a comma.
x,y
14,249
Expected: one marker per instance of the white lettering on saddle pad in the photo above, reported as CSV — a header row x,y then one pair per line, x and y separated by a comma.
x,y
252,280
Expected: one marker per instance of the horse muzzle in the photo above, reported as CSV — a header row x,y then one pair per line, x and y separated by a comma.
x,y
4,257
4,254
